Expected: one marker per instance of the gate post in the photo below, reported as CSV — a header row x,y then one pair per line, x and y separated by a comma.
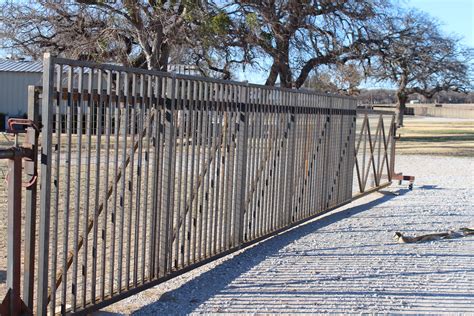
x,y
31,196
14,234
46,150
12,303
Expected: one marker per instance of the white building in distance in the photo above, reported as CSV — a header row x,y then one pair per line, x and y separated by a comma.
x,y
15,77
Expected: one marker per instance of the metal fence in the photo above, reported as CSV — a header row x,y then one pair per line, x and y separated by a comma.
x,y
146,175
374,150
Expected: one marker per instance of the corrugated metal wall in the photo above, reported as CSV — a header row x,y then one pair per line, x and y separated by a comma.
x,y
14,91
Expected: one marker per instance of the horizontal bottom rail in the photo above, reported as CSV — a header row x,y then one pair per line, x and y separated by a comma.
x,y
372,190
174,274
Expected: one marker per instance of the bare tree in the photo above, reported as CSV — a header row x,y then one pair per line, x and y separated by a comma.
x,y
421,59
321,81
342,78
299,36
131,32
377,96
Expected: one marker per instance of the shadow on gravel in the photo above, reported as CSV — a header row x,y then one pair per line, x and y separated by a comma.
x,y
198,290
3,276
429,187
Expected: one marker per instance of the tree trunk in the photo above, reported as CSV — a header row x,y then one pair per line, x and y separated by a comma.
x,y
273,75
401,105
285,75
286,80
283,63
164,57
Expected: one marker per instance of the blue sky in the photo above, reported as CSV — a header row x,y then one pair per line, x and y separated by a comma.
x,y
456,16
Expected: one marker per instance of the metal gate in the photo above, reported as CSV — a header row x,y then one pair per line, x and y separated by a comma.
x,y
146,175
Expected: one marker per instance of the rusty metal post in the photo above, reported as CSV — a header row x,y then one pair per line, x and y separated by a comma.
x,y
12,304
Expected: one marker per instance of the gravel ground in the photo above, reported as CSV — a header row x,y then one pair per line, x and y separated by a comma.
x,y
348,261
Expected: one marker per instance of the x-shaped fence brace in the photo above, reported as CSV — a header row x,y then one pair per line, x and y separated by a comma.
x,y
381,153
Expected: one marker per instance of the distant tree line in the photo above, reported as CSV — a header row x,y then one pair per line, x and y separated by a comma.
x,y
319,44
387,96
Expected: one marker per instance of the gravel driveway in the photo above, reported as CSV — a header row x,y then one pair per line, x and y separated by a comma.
x,y
347,261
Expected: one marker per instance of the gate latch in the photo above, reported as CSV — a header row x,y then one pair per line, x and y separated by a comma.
x,y
24,151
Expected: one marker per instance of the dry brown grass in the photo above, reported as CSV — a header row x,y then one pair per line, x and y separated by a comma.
x,y
432,136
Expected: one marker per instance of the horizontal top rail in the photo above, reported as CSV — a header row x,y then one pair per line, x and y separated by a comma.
x,y
95,96
111,67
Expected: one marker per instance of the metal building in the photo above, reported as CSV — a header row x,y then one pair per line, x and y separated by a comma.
x,y
15,76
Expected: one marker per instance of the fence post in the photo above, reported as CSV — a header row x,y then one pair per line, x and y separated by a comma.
x,y
45,199
14,234
31,196
242,145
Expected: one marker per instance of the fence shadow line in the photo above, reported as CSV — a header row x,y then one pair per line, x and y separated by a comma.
x,y
198,290
3,276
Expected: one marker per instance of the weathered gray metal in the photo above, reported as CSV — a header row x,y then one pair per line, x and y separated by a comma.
x,y
14,233
146,175
31,169
47,111
375,151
